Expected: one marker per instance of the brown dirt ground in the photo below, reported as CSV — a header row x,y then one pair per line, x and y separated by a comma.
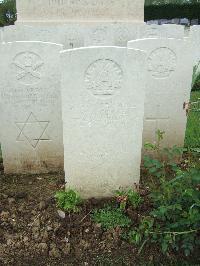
x,y
32,233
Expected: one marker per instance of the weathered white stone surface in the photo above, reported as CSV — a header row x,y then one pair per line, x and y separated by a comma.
x,y
194,35
81,10
103,108
76,35
50,33
193,40
30,107
110,34
168,85
1,35
161,31
70,36
98,34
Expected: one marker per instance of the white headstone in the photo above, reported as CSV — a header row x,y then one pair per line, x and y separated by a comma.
x,y
194,35
98,34
75,35
80,10
161,31
110,34
70,36
103,105
168,86
50,33
30,107
1,34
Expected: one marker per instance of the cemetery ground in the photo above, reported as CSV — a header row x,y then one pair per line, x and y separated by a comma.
x,y
32,232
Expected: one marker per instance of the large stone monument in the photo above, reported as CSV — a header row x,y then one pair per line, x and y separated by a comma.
x,y
80,10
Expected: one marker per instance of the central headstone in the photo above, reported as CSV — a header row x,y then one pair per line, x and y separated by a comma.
x,y
103,108
81,10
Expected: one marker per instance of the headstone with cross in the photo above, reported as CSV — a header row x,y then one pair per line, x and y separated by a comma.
x,y
152,123
168,86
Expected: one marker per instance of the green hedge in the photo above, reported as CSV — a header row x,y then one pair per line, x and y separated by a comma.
x,y
170,11
5,7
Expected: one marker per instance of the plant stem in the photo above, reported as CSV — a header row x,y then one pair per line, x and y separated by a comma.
x,y
176,233
142,246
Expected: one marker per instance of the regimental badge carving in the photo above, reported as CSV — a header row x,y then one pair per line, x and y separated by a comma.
x,y
99,36
151,32
32,130
122,34
28,67
104,78
162,62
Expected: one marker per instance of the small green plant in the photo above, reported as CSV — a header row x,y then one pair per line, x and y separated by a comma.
x,y
174,221
68,200
110,217
163,159
129,197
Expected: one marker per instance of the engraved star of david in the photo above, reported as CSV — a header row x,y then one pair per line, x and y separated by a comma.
x,y
32,130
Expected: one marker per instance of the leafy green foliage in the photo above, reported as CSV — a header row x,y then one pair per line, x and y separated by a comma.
x,y
110,217
196,77
169,9
129,197
192,139
162,160
7,12
174,222
68,200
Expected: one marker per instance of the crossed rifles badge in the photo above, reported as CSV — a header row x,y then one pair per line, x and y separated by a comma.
x,y
29,67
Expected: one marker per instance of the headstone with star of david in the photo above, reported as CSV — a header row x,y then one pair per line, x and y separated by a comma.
x,y
103,107
168,85
30,107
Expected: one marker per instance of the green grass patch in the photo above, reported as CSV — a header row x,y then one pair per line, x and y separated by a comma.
x,y
111,217
192,138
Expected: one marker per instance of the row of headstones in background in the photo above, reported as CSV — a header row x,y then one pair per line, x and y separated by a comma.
x,y
102,104
74,35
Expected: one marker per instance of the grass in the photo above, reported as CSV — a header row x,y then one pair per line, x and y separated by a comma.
x,y
192,138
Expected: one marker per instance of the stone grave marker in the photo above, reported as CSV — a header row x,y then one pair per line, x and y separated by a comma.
x,y
1,35
50,33
168,86
103,108
160,31
80,10
30,107
98,34
194,35
110,34
70,36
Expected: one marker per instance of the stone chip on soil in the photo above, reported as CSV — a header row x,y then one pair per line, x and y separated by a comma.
x,y
54,251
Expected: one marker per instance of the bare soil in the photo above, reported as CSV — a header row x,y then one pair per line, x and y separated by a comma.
x,y
32,232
